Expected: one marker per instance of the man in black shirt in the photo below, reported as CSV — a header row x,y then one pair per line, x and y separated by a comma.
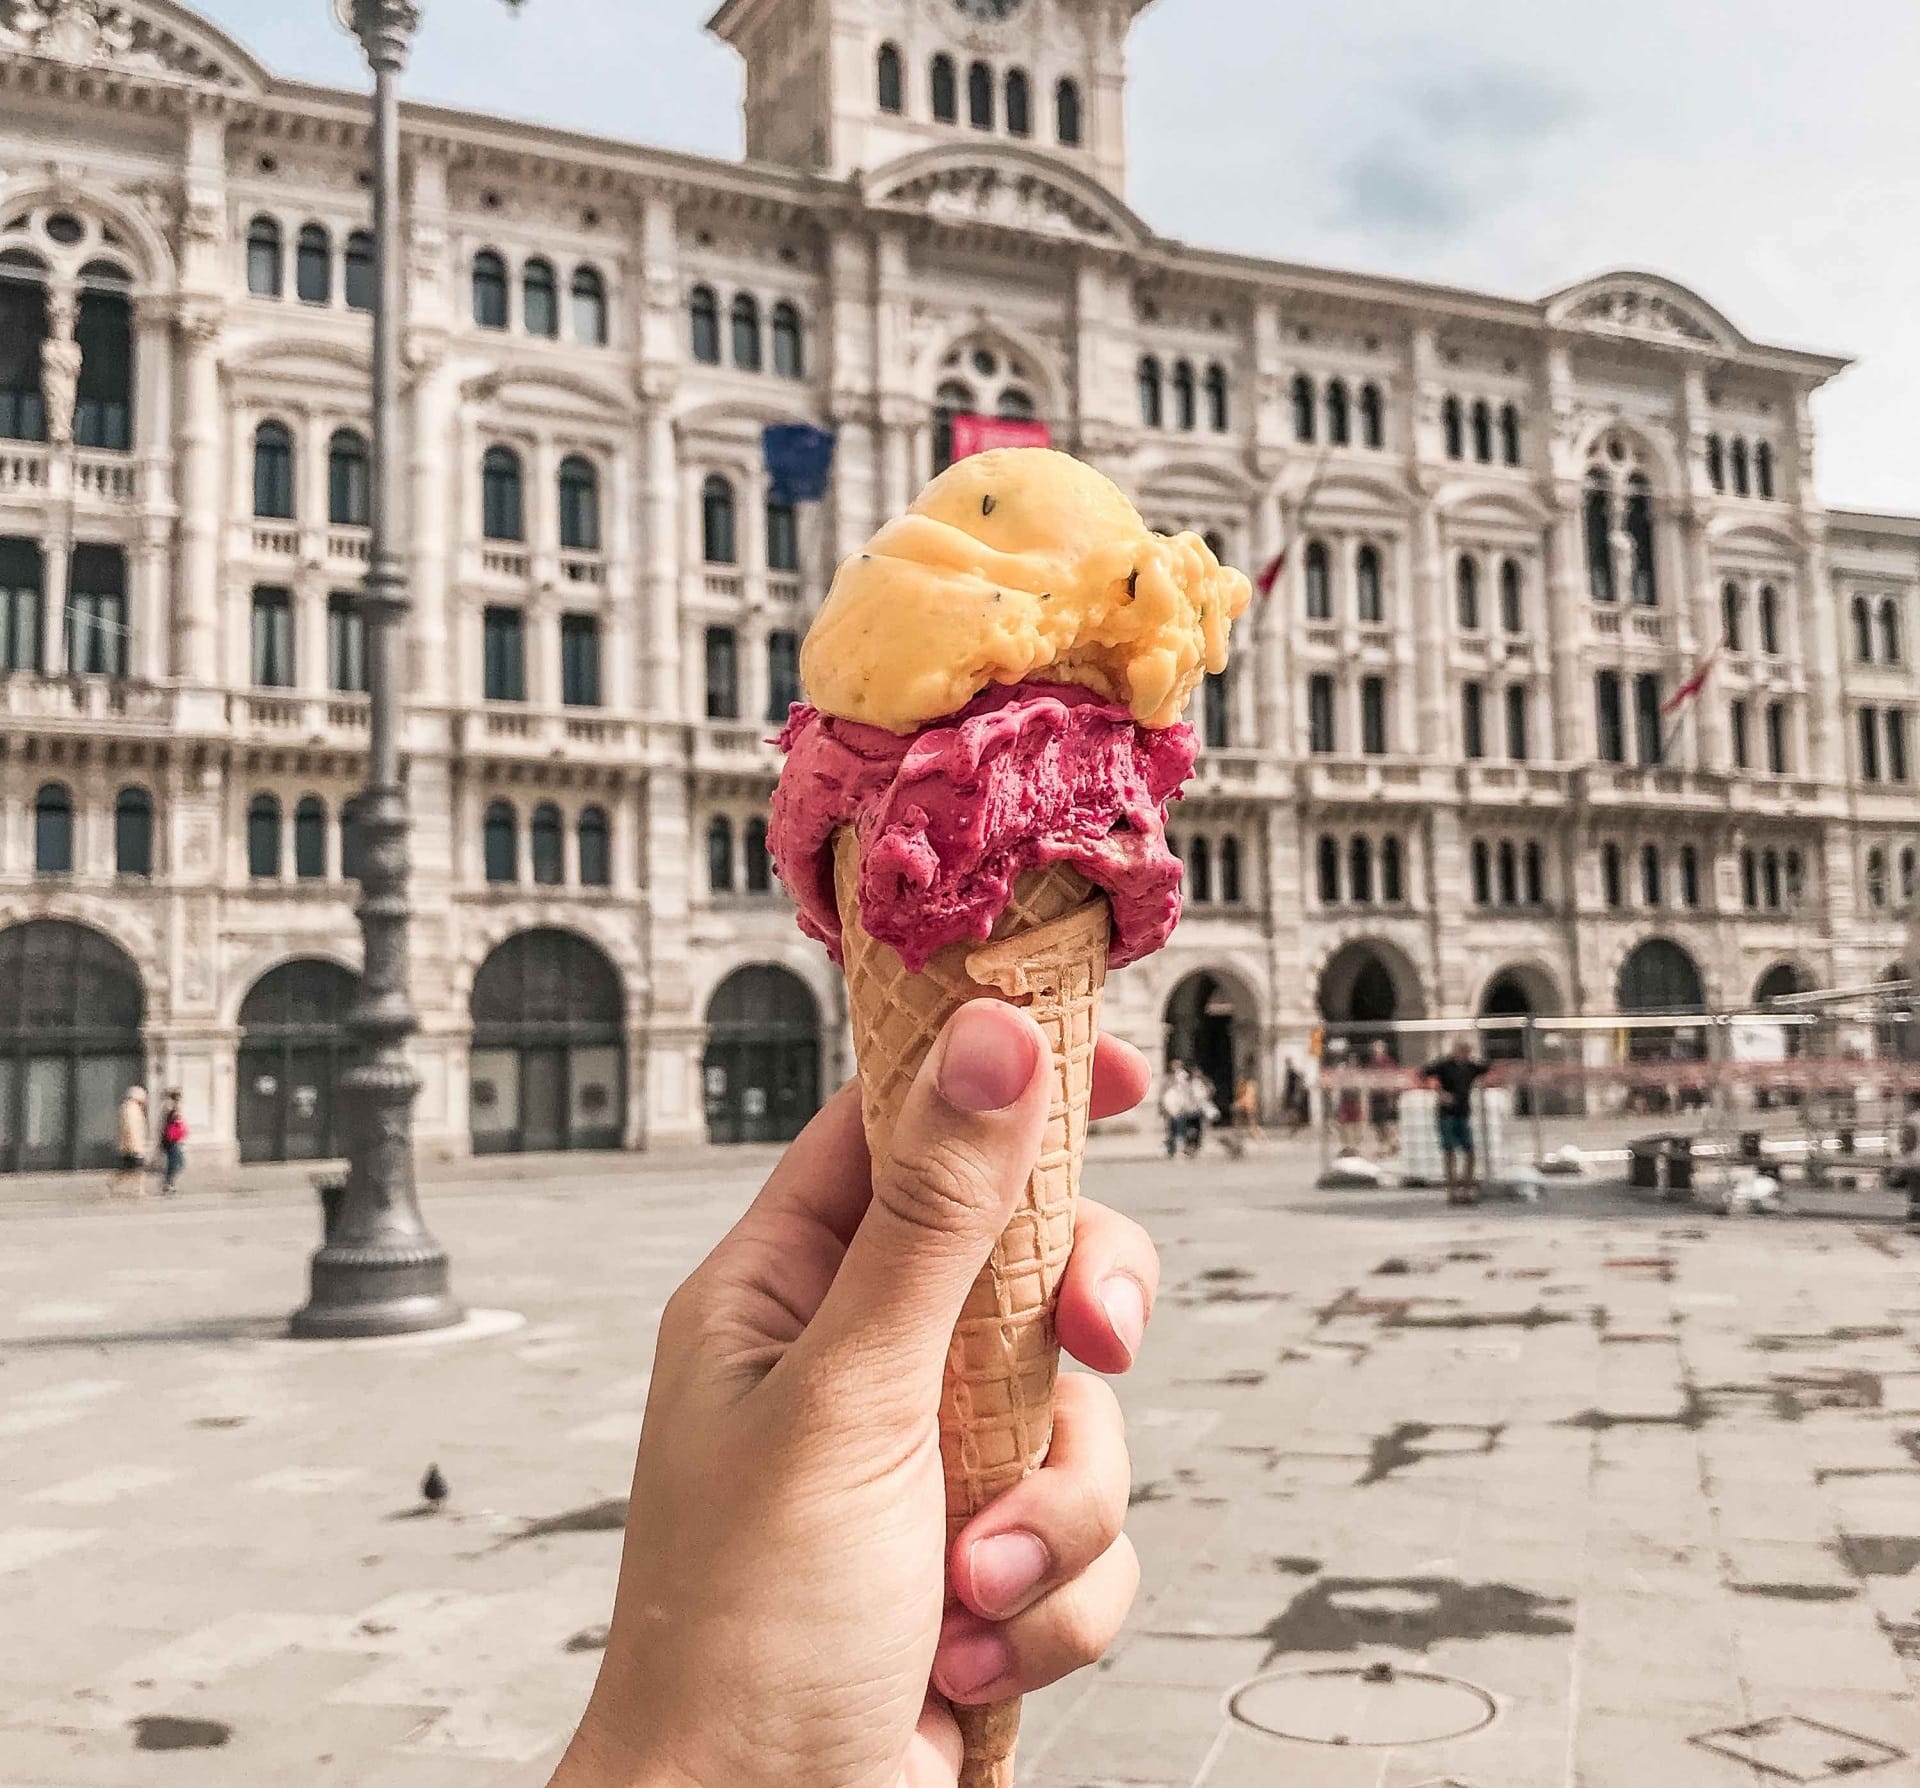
x,y
1454,1076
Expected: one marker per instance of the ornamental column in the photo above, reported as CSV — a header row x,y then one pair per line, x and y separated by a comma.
x,y
197,587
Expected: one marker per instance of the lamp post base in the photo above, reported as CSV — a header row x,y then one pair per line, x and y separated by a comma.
x,y
361,1289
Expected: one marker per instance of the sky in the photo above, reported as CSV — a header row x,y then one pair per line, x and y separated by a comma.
x,y
1765,153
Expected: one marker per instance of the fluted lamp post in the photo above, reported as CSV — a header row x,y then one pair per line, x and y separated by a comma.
x,y
379,1271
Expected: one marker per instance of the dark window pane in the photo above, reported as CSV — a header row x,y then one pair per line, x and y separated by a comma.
x,y
1066,113
313,266
103,410
716,521
783,673
580,661
789,359
596,855
1373,715
501,514
589,307
890,88
363,271
22,574
539,299
272,639
548,864
310,839
759,871
1019,104
273,472
723,674
746,332
703,315
346,644
579,505
720,854
489,290
502,844
263,258
783,537
504,653
133,832
263,838
349,485
944,90
53,830
97,635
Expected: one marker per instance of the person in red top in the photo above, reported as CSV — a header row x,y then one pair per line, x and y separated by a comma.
x,y
173,1143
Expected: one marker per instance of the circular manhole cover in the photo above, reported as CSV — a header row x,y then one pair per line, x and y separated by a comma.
x,y
1371,1704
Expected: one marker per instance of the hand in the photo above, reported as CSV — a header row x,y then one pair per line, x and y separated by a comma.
x,y
788,1614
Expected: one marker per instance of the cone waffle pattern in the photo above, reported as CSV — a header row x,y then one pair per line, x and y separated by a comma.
x,y
1048,953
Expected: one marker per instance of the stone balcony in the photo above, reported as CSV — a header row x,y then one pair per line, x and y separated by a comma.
x,y
298,717
1488,784
1372,780
570,735
95,479
33,702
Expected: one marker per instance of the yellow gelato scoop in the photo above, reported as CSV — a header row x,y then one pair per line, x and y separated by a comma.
x,y
1014,565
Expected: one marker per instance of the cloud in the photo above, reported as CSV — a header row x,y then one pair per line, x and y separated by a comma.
x,y
1393,189
1493,105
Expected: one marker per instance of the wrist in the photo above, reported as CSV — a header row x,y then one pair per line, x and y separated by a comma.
x,y
593,1761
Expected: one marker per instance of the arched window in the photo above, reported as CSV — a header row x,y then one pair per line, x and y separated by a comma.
x,y
703,314
1303,408
1770,620
944,89
363,270
352,840
273,471
1716,462
1366,585
1319,582
716,521
1513,608
759,869
980,96
1599,537
589,307
951,400
1507,866
1890,642
720,854
1466,585
579,504
310,839
789,359
1769,876
1149,391
544,836
501,835
540,299
1646,585
1482,860
1200,870
1733,616
313,266
53,830
1066,113
501,510
1019,104
263,838
1392,878
888,81
1360,870
1015,405
1908,867
783,536
1510,434
1763,470
1183,395
1373,420
1738,458
1339,426
1536,874
1862,630
1327,865
596,854
1652,880
746,332
349,490
1876,878
1450,427
1482,432
264,262
133,832
1217,398
489,290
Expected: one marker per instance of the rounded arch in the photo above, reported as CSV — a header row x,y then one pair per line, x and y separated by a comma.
x,y
760,1071
969,169
294,1047
1210,1020
141,240
1659,975
1040,371
1520,989
1368,980
1641,448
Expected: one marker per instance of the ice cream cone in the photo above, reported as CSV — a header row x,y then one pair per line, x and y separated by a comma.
x,y
1048,953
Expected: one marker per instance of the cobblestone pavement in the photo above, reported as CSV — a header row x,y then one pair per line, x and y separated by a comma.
x,y
1635,1476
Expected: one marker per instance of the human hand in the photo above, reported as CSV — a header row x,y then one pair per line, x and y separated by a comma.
x,y
789,1614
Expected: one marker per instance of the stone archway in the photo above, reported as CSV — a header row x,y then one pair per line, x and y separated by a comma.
x,y
1211,1022
1659,977
293,1048
1369,984
761,1069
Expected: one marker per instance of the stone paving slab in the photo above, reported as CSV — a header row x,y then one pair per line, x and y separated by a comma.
x,y
1635,1475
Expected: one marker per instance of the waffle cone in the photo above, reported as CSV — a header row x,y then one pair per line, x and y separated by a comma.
x,y
1048,953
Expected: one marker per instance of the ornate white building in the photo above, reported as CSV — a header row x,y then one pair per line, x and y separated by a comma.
x,y
1437,779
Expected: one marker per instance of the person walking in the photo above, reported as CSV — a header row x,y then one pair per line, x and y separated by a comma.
x,y
1454,1076
1383,1102
130,1177
1201,1111
1175,1096
1293,1097
173,1143
1246,1109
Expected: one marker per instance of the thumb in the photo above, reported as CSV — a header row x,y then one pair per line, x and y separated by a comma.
x,y
966,1141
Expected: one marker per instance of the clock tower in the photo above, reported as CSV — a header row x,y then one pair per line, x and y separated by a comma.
x,y
842,87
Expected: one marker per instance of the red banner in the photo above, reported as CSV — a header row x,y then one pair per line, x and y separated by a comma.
x,y
975,434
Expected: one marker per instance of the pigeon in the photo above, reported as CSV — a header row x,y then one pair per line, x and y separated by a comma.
x,y
433,1487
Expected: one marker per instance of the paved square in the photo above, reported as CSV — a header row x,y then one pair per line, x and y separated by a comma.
x,y
1636,1478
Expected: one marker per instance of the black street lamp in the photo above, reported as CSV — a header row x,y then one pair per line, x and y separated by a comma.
x,y
379,1271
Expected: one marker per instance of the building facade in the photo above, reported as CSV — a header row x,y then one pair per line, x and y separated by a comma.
x,y
1438,779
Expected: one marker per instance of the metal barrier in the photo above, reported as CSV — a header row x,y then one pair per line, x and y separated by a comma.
x,y
1817,1083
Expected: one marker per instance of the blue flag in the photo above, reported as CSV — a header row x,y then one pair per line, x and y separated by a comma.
x,y
799,461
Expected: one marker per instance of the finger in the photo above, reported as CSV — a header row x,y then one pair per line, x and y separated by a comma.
x,y
982,1660
935,1752
1051,1526
966,1140
1121,1076
1107,1291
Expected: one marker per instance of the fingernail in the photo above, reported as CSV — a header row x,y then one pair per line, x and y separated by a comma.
x,y
967,1664
990,1057
1126,1307
1004,1568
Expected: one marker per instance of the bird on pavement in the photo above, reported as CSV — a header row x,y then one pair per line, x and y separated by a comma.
x,y
434,1487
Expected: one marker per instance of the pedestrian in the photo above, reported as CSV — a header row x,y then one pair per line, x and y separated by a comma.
x,y
1174,1099
1454,1077
1349,1109
1201,1111
1246,1109
1383,1102
130,1177
1293,1097
173,1143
